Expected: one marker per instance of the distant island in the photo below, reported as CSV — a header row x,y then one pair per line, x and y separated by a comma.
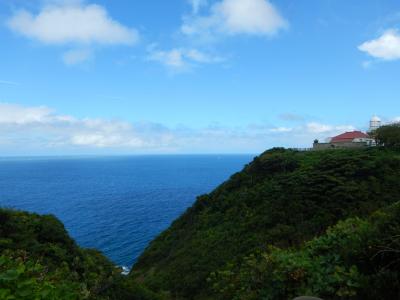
x,y
291,223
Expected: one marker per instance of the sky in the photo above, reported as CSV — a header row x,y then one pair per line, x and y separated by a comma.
x,y
82,77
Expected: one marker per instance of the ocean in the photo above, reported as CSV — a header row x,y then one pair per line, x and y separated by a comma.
x,y
114,204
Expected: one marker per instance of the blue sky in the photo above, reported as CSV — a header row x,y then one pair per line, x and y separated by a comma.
x,y
192,76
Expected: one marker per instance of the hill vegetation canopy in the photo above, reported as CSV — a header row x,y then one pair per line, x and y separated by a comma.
x,y
38,260
282,200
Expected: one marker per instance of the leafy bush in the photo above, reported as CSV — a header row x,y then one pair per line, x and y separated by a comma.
x,y
351,261
26,279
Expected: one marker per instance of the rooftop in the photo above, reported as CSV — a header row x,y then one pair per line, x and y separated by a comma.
x,y
349,136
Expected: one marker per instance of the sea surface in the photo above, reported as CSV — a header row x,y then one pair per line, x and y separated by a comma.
x,y
114,204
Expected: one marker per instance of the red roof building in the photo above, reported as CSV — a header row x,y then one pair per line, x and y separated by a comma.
x,y
349,137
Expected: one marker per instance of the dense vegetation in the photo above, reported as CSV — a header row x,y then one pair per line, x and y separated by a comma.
x,y
388,136
355,259
260,235
38,260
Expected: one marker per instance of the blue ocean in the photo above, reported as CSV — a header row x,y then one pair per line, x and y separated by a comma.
x,y
115,204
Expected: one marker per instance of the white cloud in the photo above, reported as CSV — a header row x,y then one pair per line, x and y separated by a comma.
x,y
172,58
197,4
232,17
395,120
180,59
24,128
281,129
302,135
20,115
319,128
102,141
72,23
200,57
386,47
63,130
77,56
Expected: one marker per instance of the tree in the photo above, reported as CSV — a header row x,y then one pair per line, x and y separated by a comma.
x,y
388,136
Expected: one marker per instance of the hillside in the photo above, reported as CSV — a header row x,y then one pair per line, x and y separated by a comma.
x,y
283,199
38,260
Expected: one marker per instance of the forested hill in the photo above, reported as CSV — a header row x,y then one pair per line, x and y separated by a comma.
x,y
254,236
38,260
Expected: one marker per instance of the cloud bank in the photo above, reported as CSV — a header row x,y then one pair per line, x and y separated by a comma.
x,y
42,130
40,126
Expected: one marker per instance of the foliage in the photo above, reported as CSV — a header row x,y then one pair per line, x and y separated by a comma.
x,y
351,261
282,199
26,279
388,136
38,260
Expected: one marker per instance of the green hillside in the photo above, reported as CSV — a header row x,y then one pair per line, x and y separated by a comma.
x,y
283,199
38,260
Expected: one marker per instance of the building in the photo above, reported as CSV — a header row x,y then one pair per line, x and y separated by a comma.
x,y
375,123
353,139
350,137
